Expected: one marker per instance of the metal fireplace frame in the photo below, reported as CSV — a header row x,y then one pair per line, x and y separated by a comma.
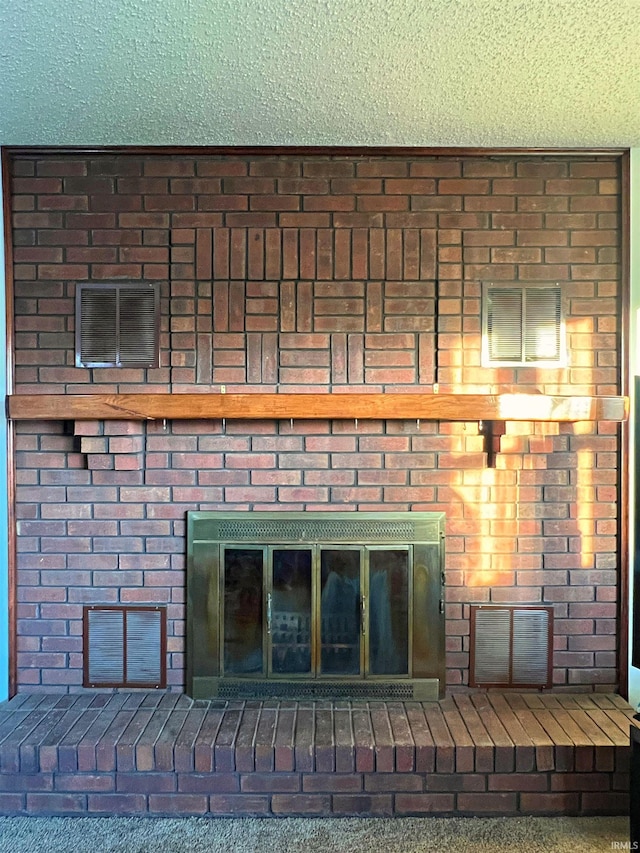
x,y
209,533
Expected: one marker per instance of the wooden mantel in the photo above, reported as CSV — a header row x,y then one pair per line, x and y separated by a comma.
x,y
348,406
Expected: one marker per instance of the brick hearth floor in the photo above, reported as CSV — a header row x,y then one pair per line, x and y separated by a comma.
x,y
149,753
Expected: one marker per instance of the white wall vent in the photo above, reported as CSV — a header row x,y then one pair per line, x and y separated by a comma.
x,y
523,325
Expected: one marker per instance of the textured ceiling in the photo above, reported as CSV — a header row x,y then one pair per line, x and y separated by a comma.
x,y
320,72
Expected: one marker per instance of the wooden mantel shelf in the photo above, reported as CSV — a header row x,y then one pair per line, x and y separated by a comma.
x,y
390,406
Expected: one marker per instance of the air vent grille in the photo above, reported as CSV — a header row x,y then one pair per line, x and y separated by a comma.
x,y
315,690
316,531
523,325
105,646
117,325
511,646
124,646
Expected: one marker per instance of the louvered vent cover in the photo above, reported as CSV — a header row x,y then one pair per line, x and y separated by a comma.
x,y
124,646
523,325
117,325
511,646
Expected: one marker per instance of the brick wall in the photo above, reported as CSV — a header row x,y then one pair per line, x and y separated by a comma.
x,y
324,273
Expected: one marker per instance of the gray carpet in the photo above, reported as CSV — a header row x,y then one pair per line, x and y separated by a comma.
x,y
291,835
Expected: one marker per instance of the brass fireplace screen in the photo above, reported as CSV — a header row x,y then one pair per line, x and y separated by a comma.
x,y
315,604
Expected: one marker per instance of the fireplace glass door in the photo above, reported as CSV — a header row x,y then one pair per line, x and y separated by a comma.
x,y
326,604
289,611
242,640
389,593
341,605
316,611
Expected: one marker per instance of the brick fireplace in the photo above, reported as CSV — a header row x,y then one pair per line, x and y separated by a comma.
x,y
297,272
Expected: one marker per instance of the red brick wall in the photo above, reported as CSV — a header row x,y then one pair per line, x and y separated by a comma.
x,y
337,273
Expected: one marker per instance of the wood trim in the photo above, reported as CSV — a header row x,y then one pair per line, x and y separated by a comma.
x,y
625,437
12,550
445,407
635,564
311,150
11,478
8,266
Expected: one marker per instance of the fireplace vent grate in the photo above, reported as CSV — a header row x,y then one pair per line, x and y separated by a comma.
x,y
242,689
315,531
124,646
511,646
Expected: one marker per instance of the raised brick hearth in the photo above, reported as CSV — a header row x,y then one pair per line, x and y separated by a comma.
x,y
164,754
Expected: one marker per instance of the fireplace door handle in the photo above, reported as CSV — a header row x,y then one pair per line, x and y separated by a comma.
x,y
268,613
363,614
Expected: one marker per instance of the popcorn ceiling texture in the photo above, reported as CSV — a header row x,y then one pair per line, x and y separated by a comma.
x,y
321,72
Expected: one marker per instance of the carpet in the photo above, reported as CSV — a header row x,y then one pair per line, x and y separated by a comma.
x,y
292,835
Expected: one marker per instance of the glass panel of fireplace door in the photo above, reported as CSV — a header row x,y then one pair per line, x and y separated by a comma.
x,y
340,611
289,611
389,611
243,611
